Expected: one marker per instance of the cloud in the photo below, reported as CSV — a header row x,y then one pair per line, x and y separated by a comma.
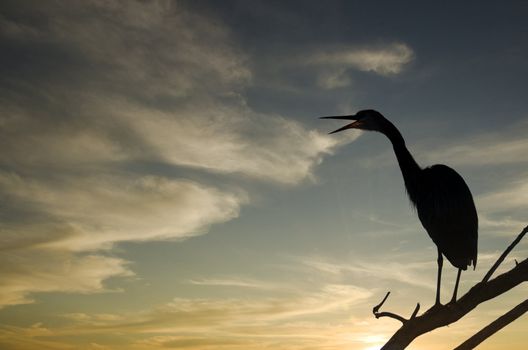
x,y
503,209
410,273
200,322
233,282
500,225
329,298
328,315
34,270
386,60
333,78
484,150
137,88
92,213
231,138
102,122
513,196
202,121
106,209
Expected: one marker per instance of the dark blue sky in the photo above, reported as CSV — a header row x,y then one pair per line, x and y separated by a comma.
x,y
469,56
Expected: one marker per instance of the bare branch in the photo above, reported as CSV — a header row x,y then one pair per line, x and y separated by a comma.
x,y
391,315
443,315
504,254
376,308
494,326
377,314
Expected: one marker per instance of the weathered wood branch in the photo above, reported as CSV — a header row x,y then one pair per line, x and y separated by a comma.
x,y
494,326
504,254
378,314
402,319
443,315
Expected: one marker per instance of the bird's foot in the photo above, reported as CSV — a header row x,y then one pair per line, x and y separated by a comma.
x,y
437,305
453,300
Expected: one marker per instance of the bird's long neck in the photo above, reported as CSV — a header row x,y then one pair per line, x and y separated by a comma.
x,y
408,166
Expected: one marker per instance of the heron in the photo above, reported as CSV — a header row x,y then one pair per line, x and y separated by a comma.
x,y
440,195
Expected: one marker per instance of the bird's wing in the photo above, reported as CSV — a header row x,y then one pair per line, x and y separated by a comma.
x,y
446,209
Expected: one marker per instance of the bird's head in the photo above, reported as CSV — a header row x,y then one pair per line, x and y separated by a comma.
x,y
367,119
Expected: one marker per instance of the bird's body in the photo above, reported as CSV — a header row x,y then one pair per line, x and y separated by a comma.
x,y
447,212
442,199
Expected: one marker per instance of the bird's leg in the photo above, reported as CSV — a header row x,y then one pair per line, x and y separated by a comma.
x,y
453,299
439,278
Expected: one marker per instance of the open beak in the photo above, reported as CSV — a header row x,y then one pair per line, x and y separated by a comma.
x,y
354,125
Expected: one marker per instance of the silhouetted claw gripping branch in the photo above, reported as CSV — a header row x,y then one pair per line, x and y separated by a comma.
x,y
442,315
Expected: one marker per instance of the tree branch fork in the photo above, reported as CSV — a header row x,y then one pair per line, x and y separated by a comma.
x,y
442,315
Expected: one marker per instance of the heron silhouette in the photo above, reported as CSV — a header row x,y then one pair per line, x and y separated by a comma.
x,y
442,199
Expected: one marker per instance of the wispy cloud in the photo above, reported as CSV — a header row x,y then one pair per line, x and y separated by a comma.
x,y
383,60
485,150
328,315
205,122
107,209
185,321
233,282
34,270
410,273
233,139
502,210
501,225
141,83
513,196
325,318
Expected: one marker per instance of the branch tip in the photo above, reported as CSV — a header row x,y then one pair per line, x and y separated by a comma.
x,y
376,308
415,312
504,254
377,314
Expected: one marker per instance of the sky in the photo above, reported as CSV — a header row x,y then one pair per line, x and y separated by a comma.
x,y
165,181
